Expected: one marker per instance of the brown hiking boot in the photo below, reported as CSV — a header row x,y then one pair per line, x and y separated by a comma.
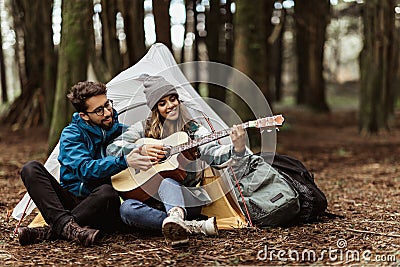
x,y
28,236
83,235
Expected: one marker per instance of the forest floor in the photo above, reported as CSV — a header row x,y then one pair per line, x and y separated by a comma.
x,y
359,175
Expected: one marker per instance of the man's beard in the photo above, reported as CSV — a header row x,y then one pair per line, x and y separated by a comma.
x,y
105,126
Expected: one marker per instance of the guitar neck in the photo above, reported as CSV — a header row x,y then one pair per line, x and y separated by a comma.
x,y
208,138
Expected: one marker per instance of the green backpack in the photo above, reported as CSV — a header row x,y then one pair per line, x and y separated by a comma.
x,y
283,193
270,199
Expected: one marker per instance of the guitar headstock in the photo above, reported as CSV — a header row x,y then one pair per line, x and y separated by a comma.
x,y
272,121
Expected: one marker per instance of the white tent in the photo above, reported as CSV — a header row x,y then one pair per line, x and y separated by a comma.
x,y
126,91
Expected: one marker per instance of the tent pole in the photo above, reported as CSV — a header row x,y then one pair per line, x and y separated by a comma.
x,y
14,234
233,172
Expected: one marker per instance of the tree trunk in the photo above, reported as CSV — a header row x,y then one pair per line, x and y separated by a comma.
x,y
376,61
73,60
214,24
268,9
112,56
301,48
251,41
219,45
196,84
229,34
36,59
133,13
394,58
188,7
17,15
50,61
162,22
4,94
311,20
214,35
276,56
251,55
100,68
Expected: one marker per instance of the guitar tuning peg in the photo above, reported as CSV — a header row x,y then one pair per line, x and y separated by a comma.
x,y
269,130
277,129
261,130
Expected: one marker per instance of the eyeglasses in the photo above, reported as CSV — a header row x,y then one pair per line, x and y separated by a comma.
x,y
100,110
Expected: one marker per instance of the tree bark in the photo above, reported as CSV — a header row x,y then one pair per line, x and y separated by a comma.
x,y
311,20
50,61
111,54
215,33
276,43
133,13
100,68
393,34
229,34
73,60
36,60
376,62
17,15
251,55
251,41
162,22
4,94
196,85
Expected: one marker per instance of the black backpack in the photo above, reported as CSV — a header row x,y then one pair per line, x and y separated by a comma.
x,y
313,202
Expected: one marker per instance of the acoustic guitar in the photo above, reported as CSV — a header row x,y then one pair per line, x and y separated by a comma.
x,y
141,185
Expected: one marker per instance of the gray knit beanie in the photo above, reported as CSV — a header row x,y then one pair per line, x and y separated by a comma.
x,y
155,88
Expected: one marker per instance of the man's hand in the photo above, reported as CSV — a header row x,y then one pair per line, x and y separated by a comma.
x,y
238,136
138,161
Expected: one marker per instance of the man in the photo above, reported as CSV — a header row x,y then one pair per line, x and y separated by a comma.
x,y
84,202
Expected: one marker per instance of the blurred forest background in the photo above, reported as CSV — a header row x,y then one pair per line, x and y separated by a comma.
x,y
295,51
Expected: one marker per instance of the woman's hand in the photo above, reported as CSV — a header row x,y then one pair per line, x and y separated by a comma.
x,y
155,151
238,136
138,161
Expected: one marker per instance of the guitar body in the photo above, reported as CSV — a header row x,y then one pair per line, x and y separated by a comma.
x,y
141,185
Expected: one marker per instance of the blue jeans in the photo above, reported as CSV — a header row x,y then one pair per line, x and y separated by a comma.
x,y
141,215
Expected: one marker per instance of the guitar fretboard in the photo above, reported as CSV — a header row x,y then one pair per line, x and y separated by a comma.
x,y
220,134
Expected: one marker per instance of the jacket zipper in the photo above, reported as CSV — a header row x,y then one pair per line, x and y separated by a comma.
x,y
80,189
102,142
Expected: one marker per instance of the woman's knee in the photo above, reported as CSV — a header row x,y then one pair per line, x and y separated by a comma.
x,y
130,211
130,206
139,215
169,182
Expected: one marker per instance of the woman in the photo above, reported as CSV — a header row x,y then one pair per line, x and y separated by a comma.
x,y
167,117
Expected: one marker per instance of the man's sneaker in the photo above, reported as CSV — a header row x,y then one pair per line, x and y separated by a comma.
x,y
206,227
28,236
174,228
83,235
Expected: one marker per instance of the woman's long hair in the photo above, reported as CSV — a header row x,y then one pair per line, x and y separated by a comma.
x,y
158,127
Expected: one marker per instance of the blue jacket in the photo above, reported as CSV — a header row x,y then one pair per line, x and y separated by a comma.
x,y
84,164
